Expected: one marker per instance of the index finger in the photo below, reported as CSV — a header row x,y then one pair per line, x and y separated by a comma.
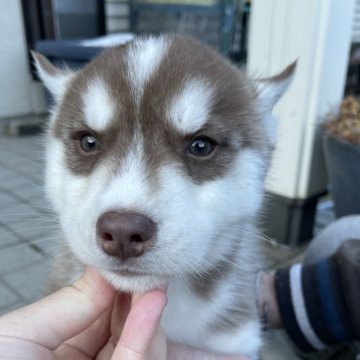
x,y
60,316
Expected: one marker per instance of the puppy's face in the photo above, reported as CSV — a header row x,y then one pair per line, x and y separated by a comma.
x,y
156,158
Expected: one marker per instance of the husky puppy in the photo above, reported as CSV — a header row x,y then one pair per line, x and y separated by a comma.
x,y
156,154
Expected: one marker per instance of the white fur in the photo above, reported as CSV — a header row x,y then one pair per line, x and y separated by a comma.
x,y
129,188
56,173
143,59
187,240
56,83
269,94
98,106
190,108
198,224
177,206
187,318
270,91
246,339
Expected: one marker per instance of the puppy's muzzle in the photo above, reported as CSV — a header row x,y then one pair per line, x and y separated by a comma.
x,y
124,234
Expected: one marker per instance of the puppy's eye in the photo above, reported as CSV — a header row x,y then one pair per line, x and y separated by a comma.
x,y
201,146
89,143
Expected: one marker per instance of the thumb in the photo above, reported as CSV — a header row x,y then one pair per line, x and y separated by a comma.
x,y
140,328
62,315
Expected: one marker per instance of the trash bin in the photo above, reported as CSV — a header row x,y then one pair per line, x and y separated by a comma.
x,y
342,161
77,53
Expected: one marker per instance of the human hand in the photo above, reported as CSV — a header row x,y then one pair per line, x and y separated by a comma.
x,y
177,351
82,322
88,320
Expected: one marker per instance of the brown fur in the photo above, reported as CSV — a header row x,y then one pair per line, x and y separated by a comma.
x,y
232,121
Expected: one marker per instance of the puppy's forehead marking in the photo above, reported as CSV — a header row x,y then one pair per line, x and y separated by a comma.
x,y
97,105
143,59
190,108
128,189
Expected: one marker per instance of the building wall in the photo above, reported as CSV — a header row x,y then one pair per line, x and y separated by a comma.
x,y
19,94
317,34
117,15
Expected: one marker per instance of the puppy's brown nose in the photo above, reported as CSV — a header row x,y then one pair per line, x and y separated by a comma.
x,y
125,235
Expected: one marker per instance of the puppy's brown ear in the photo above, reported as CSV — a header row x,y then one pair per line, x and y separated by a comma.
x,y
55,79
270,90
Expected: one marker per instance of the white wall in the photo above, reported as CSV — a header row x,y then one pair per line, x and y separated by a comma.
x,y
318,34
19,94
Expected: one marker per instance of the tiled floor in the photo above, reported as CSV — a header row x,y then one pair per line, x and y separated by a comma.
x,y
28,228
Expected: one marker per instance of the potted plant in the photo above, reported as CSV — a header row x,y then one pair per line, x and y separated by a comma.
x,y
342,156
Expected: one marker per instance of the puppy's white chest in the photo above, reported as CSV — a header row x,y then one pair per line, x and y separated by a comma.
x,y
194,321
186,317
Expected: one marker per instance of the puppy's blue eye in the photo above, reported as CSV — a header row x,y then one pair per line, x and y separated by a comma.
x,y
89,143
201,147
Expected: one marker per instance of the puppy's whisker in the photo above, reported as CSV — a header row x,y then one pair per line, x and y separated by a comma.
x,y
47,239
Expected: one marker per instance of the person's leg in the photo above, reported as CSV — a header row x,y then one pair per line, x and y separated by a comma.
x,y
317,302
331,237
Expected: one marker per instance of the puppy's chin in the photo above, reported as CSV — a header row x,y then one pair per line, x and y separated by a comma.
x,y
131,282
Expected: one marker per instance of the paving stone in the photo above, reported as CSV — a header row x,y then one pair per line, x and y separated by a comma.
x,y
277,346
14,161
18,213
27,148
12,258
36,178
32,168
19,182
6,200
5,151
30,230
42,205
25,144
38,157
50,243
31,192
29,282
7,238
5,175
7,296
